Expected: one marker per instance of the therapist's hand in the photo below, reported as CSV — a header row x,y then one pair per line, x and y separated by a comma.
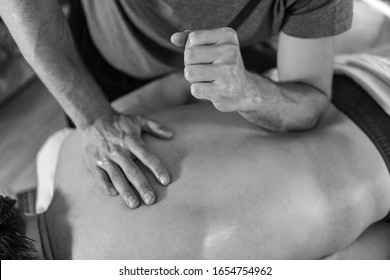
x,y
214,67
111,144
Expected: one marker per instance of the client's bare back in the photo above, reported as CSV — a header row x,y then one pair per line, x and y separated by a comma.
x,y
236,192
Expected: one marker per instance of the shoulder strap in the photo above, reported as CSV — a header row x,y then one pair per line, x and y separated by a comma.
x,y
243,14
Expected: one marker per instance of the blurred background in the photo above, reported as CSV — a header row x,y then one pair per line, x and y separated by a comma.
x,y
29,114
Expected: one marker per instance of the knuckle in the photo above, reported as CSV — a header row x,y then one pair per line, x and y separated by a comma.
x,y
114,152
196,91
133,172
229,31
188,73
234,52
116,177
218,96
225,29
142,187
141,184
106,161
220,107
106,165
193,37
103,162
188,55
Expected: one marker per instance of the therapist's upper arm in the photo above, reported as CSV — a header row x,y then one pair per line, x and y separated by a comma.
x,y
309,61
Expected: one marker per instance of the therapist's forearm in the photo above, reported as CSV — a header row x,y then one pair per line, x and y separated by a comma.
x,y
282,106
43,36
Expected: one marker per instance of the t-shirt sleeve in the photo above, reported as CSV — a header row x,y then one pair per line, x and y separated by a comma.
x,y
317,18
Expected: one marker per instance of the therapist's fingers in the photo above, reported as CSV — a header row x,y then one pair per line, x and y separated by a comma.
x,y
202,54
212,54
224,35
142,152
203,91
179,39
103,181
136,177
121,184
202,73
155,128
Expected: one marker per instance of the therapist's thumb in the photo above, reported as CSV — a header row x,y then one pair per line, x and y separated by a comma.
x,y
179,39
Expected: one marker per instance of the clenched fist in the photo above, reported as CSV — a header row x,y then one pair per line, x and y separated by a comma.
x,y
214,66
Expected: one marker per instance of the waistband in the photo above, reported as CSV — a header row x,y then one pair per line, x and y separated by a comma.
x,y
45,240
354,102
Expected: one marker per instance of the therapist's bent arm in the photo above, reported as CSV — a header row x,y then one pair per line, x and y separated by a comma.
x,y
303,92
215,69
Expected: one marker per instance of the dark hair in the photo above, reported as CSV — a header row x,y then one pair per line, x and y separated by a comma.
x,y
14,245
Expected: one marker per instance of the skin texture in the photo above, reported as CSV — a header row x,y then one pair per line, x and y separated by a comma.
x,y
237,192
214,67
111,140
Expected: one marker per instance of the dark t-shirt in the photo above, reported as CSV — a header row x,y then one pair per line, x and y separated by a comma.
x,y
135,35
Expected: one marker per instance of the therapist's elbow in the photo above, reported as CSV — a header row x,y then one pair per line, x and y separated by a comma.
x,y
305,117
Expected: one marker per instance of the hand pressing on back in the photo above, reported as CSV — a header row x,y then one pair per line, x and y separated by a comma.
x,y
111,144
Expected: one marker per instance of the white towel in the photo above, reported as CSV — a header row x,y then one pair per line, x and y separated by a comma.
x,y
46,160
